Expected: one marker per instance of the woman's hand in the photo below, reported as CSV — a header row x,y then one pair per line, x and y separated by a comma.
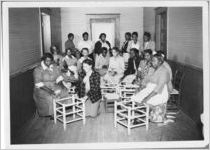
x,y
84,98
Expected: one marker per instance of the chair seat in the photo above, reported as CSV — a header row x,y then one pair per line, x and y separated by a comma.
x,y
174,92
111,96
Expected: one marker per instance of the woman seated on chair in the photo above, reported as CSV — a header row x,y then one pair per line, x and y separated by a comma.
x,y
85,55
56,56
102,62
145,68
90,89
69,59
156,91
47,80
133,64
116,68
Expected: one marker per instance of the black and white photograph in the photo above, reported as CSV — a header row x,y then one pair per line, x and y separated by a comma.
x,y
105,74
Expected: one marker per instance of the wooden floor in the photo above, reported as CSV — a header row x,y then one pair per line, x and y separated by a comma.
x,y
101,129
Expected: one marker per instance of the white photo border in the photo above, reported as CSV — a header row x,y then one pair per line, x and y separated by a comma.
x,y
5,103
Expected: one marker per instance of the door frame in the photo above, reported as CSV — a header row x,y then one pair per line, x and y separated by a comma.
x,y
47,13
158,12
105,18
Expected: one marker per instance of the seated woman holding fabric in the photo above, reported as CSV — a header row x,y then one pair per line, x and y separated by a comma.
x,y
47,78
133,64
116,68
145,68
156,94
102,62
90,89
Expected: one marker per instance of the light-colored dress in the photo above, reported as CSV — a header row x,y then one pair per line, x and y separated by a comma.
x,y
47,77
71,61
116,64
101,64
86,44
132,44
149,45
158,83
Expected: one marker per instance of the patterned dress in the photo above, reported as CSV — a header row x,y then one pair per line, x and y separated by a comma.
x,y
93,93
144,70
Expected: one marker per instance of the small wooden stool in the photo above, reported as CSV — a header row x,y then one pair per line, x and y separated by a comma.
x,y
128,112
72,107
107,91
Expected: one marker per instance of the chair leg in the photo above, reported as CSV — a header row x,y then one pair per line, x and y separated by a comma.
x,y
115,114
64,118
55,112
129,121
83,112
147,117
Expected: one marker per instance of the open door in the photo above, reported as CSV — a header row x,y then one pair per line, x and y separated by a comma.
x,y
46,32
107,28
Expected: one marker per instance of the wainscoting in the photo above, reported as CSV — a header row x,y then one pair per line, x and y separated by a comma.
x,y
22,106
191,99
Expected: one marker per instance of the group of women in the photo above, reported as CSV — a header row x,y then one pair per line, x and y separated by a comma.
x,y
86,66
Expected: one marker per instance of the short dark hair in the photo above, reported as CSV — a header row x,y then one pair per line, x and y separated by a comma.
x,y
135,33
147,34
70,35
149,51
116,49
47,55
161,53
136,51
85,33
128,33
159,57
85,49
102,35
66,50
88,61
51,48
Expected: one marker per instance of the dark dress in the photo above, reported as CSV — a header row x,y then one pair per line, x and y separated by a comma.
x,y
98,46
124,47
94,94
131,69
43,99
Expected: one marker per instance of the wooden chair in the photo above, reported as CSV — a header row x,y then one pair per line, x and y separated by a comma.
x,y
128,112
69,109
174,100
109,95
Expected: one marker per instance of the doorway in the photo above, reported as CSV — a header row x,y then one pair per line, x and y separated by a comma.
x,y
103,27
46,32
105,23
161,29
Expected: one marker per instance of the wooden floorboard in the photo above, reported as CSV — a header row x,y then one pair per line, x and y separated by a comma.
x,y
101,129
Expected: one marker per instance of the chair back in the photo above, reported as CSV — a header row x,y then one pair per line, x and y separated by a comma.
x,y
178,78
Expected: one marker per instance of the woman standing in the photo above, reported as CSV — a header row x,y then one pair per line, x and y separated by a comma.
x,y
46,79
148,43
90,89
101,43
